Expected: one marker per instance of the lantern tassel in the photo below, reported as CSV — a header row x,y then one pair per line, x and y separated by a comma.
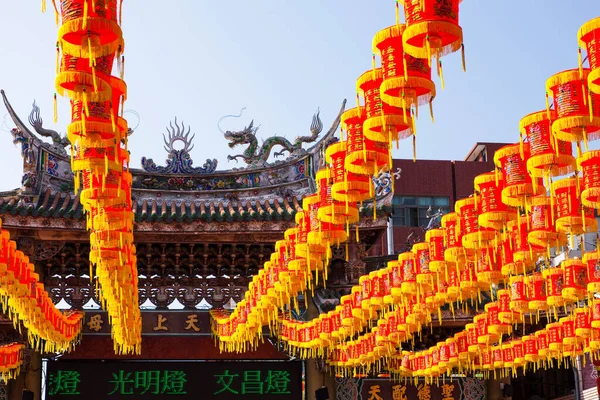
x,y
55,103
431,111
43,6
441,73
580,62
462,54
404,64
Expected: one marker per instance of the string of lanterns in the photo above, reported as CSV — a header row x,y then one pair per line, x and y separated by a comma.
x,y
89,41
499,241
387,106
11,359
26,302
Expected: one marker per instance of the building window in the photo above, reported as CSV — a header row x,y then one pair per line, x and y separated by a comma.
x,y
412,210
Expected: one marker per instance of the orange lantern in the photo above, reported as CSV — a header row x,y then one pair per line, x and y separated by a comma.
x,y
519,302
542,233
432,29
571,216
543,345
589,38
530,348
347,187
555,338
331,211
435,238
548,155
364,156
424,276
555,279
489,266
385,123
493,213
592,261
577,109
575,280
409,277
512,160
583,323
454,251
473,235
506,313
496,326
589,164
405,84
536,292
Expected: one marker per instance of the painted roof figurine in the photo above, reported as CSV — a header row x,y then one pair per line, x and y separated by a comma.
x,y
178,191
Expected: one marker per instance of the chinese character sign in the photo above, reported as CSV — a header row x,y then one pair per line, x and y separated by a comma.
x,y
171,380
382,389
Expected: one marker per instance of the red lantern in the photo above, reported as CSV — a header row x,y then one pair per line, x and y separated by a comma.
x,y
384,123
536,292
454,251
473,236
542,233
555,279
489,266
549,156
577,109
543,345
406,83
496,326
530,348
575,280
435,238
364,156
583,323
519,302
571,216
589,163
589,38
409,277
432,28
424,276
347,187
519,186
505,312
592,261
493,213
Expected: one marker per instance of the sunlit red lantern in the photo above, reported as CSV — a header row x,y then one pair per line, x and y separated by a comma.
x,y
364,156
592,261
384,123
575,280
473,235
348,188
435,238
536,292
589,164
543,344
406,79
454,251
530,348
493,213
571,216
489,266
589,38
548,155
512,160
409,276
519,301
542,233
424,275
432,29
505,313
555,279
577,109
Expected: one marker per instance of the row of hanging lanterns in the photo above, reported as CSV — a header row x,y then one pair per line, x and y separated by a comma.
x,y
24,299
11,359
387,105
516,216
89,41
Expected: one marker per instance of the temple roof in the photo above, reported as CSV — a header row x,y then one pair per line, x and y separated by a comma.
x,y
179,192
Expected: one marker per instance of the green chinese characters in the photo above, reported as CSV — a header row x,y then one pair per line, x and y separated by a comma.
x,y
274,382
154,382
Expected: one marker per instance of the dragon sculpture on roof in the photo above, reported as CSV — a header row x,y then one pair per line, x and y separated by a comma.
x,y
256,156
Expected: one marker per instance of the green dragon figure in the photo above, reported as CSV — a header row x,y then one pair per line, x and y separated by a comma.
x,y
255,156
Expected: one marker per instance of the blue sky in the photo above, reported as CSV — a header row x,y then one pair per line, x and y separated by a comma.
x,y
199,60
